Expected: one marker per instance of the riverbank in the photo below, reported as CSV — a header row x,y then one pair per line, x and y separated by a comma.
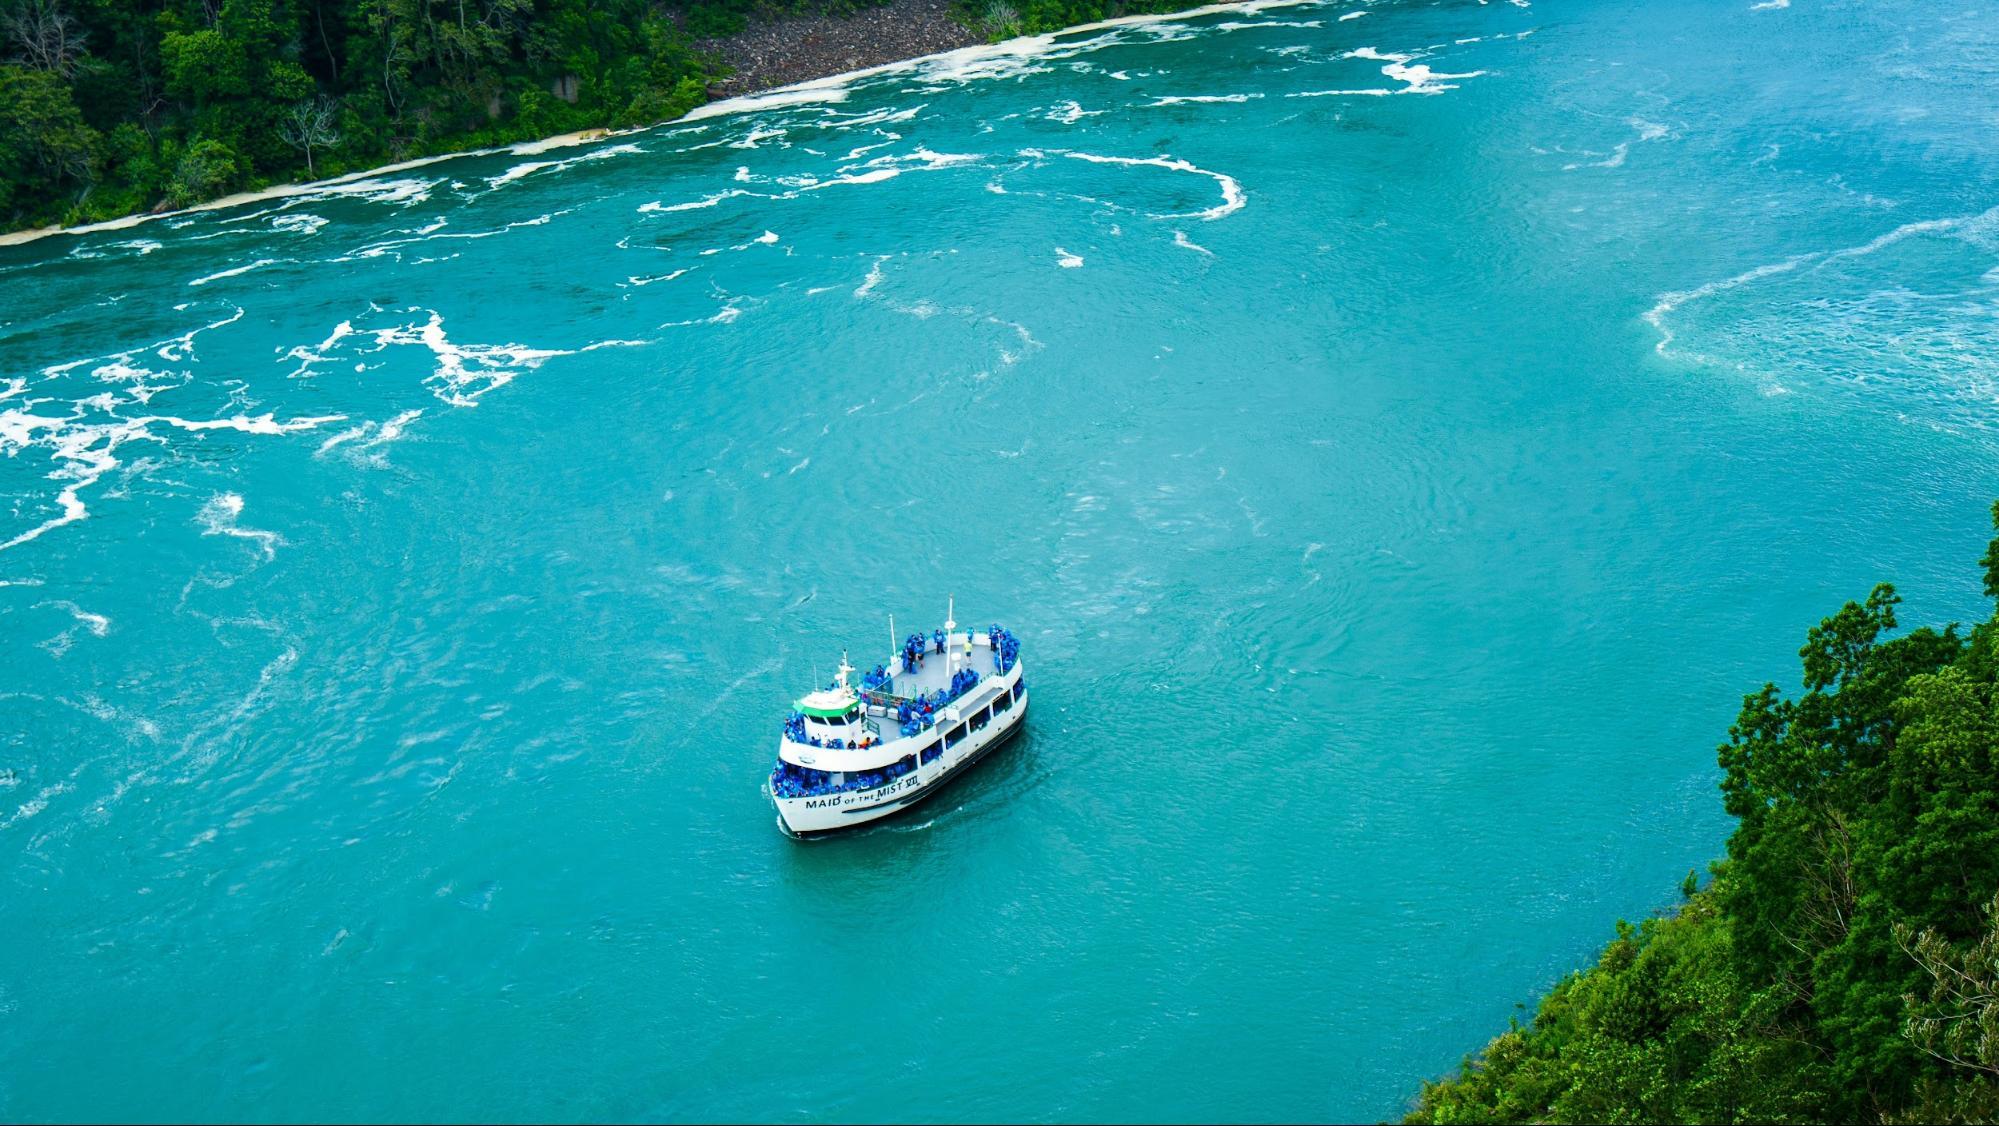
x,y
783,52
283,191
771,58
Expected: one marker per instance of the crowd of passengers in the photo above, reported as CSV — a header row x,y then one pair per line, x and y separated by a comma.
x,y
1006,648
794,730
917,714
790,780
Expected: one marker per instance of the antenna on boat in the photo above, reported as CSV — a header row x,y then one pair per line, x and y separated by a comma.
x,y
845,668
893,644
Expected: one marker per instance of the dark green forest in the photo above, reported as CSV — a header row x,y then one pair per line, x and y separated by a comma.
x,y
1843,963
114,106
109,107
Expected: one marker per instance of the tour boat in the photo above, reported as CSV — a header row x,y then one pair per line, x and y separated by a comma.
x,y
852,754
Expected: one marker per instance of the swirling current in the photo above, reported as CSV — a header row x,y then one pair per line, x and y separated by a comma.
x,y
1399,433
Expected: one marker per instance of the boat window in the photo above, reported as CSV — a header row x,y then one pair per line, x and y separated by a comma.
x,y
979,719
931,752
956,736
1001,703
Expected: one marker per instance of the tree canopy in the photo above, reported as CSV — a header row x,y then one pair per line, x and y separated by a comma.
x,y
1843,964
114,106
108,107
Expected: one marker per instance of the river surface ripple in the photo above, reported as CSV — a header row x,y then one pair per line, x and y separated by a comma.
x,y
1399,432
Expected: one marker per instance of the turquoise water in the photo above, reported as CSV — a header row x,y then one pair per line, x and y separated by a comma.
x,y
1395,490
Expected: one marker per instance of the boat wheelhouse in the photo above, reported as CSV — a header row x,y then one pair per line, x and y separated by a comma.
x,y
852,753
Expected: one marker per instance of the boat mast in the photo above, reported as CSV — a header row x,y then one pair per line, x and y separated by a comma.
x,y
950,623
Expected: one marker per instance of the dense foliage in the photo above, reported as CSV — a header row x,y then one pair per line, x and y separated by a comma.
x,y
114,106
1843,965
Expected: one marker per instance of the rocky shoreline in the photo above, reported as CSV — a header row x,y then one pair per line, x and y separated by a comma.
x,y
780,52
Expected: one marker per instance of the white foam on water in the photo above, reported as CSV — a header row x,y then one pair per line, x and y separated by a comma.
x,y
1067,260
466,372
1420,79
875,277
230,273
826,90
362,442
218,518
875,171
308,356
435,232
82,445
883,116
1199,99
1014,58
1180,239
757,135
520,171
393,429
858,151
347,435
1416,77
1670,302
1770,6
299,224
97,624
1351,16
705,201
1667,303
407,191
1069,113
932,160
636,280
36,805
1232,194
1647,131
84,452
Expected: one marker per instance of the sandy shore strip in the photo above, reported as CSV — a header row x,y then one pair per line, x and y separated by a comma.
x,y
818,41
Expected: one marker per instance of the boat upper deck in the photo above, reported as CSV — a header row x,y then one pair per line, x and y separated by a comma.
x,y
904,700
932,674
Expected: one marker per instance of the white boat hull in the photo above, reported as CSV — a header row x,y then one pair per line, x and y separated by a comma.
x,y
824,813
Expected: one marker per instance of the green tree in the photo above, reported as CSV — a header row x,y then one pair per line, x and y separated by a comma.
x,y
47,151
1842,964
